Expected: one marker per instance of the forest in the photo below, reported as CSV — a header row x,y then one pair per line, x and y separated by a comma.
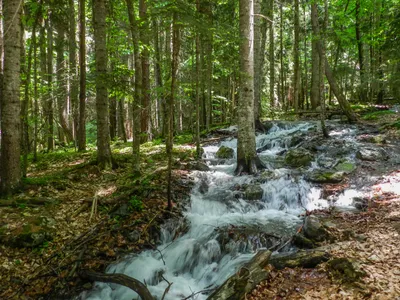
x,y
198,149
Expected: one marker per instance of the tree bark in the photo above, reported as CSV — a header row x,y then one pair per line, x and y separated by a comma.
x,y
137,88
363,90
50,110
10,105
104,158
271,55
247,159
81,131
258,66
73,71
296,56
171,100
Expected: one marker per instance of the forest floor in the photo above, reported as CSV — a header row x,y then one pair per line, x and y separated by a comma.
x,y
50,230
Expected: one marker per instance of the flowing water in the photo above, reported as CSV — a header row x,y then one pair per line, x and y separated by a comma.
x,y
206,255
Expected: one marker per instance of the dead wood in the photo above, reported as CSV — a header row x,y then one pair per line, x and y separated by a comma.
x,y
120,279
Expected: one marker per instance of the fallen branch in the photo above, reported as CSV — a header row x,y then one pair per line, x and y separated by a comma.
x,y
120,279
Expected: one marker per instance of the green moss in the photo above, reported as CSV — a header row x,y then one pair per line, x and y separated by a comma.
x,y
297,158
376,114
346,167
345,270
225,152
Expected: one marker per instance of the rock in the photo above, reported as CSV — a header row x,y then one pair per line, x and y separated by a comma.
x,y
372,154
345,167
346,270
122,211
133,236
302,242
327,162
321,176
225,153
314,229
294,141
299,157
302,258
266,176
197,166
203,187
360,203
32,236
253,192
374,139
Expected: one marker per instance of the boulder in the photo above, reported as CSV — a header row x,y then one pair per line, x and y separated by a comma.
x,y
360,203
253,192
225,153
197,166
345,166
374,139
372,154
302,259
315,230
302,242
33,234
327,162
321,176
299,157
346,270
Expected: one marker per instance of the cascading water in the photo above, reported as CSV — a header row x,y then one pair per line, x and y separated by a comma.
x,y
206,256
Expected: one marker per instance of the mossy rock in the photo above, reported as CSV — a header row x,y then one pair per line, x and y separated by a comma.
x,y
225,153
345,167
299,157
253,192
374,139
345,270
302,242
31,236
320,176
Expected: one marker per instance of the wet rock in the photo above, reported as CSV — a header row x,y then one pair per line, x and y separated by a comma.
x,y
346,270
299,157
266,176
374,139
360,203
302,242
295,140
225,153
372,154
203,187
197,166
253,192
133,236
327,162
303,259
315,230
345,166
321,176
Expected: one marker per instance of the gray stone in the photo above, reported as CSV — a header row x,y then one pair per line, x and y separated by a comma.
x,y
134,236
225,153
372,154
299,157
314,229
327,162
253,192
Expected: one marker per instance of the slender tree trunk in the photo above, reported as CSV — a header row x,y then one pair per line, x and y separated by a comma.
x,y
104,158
258,66
158,77
315,75
121,120
82,77
10,170
344,104
43,81
198,78
137,89
247,159
50,110
62,93
296,56
271,55
363,96
174,75
35,95
113,117
282,70
144,55
73,71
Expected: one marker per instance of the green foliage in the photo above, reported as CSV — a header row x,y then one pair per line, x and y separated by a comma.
x,y
183,139
376,114
91,132
135,204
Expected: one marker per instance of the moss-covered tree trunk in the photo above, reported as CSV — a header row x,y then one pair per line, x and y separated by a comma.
x,y
81,131
10,105
104,158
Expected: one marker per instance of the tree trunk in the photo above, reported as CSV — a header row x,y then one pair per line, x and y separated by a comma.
x,y
73,83
137,90
104,158
363,90
315,75
296,56
258,67
247,159
198,78
282,71
174,75
82,78
121,120
50,111
62,93
10,106
271,55
144,55
158,78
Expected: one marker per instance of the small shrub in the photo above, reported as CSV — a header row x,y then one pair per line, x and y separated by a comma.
x,y
135,204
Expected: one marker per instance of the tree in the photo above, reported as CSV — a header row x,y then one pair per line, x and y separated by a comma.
x,y
104,158
81,130
247,159
10,104
296,55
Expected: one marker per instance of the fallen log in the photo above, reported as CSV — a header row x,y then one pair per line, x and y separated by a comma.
x,y
245,280
303,258
33,202
121,279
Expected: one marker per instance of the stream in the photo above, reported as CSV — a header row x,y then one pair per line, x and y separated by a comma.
x,y
225,230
